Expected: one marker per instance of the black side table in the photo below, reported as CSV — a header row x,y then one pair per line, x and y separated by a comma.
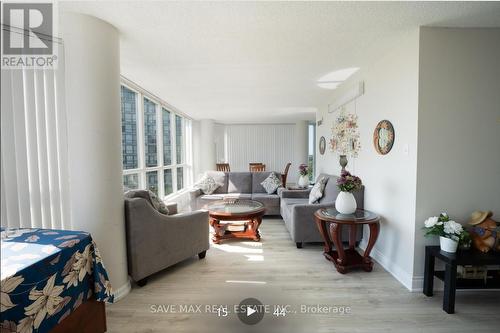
x,y
449,275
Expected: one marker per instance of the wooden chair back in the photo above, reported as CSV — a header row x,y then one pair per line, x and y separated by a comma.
x,y
257,167
284,175
223,167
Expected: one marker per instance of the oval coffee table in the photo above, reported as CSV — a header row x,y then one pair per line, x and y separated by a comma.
x,y
224,213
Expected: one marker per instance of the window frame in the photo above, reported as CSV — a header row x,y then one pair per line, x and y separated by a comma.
x,y
142,170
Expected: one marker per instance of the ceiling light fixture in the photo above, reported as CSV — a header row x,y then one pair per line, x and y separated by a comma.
x,y
333,79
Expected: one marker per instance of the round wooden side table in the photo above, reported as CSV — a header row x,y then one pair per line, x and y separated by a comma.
x,y
330,222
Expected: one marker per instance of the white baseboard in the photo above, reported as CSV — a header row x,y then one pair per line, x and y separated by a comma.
x,y
401,275
122,291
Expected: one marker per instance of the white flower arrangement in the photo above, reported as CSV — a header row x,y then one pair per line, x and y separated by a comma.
x,y
443,226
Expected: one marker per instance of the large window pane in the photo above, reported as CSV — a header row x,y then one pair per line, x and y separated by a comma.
x,y
167,138
131,181
129,129
150,151
179,139
180,178
167,181
152,181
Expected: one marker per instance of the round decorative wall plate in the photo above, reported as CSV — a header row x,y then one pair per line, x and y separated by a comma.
x,y
322,145
383,137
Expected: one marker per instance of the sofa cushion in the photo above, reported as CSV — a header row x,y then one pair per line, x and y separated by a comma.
x,y
244,196
211,197
294,201
221,179
271,183
239,182
257,179
331,190
268,200
150,197
207,184
318,190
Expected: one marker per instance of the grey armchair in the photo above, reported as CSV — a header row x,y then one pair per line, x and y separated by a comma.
x,y
156,241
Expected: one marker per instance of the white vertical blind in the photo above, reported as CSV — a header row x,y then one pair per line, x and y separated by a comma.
x,y
34,156
271,144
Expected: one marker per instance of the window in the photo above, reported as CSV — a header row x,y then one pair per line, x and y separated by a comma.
x,y
129,129
167,138
311,159
150,133
153,144
178,139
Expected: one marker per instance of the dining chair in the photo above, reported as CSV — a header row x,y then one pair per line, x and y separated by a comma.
x,y
284,175
223,167
253,164
257,167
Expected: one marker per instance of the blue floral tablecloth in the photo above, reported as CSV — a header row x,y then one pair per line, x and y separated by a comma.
x,y
45,275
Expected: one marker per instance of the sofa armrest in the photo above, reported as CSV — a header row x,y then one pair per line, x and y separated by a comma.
x,y
306,211
194,193
300,194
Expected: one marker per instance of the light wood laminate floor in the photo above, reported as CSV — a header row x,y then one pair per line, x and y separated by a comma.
x,y
277,273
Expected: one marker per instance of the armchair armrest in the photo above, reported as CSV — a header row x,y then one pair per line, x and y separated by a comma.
x,y
172,208
301,194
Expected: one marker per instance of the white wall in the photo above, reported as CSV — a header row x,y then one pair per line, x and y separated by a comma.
x,y
391,92
92,51
459,127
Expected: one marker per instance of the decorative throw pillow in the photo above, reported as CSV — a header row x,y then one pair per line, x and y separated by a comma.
x,y
271,183
317,190
150,197
158,204
207,184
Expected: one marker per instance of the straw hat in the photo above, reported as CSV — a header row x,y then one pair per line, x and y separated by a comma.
x,y
479,216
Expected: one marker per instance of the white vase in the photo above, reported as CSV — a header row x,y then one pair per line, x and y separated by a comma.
x,y
447,244
303,181
345,203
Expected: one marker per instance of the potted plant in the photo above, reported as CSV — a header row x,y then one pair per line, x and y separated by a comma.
x,y
304,176
450,232
347,183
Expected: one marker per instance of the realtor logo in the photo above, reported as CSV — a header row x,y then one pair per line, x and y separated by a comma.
x,y
27,35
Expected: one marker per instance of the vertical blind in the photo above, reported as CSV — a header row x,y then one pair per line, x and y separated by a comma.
x,y
34,155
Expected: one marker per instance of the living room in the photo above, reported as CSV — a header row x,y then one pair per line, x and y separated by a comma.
x,y
276,166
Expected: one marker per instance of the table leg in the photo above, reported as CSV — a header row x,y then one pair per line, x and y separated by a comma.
x,y
374,230
219,230
429,273
450,283
352,236
336,231
255,228
324,234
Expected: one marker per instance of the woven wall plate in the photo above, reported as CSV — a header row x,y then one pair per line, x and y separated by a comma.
x,y
383,137
322,145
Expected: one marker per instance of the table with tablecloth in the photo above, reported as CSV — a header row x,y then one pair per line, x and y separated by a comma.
x,y
45,275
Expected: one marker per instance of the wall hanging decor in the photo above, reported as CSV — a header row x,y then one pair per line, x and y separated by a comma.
x,y
383,137
322,145
345,136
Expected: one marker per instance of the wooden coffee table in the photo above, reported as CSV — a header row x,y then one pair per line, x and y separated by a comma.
x,y
346,259
228,214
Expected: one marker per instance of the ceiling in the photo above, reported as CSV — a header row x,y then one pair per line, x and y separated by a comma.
x,y
259,61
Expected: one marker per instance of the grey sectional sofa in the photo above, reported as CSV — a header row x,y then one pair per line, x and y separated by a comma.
x,y
243,185
298,214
